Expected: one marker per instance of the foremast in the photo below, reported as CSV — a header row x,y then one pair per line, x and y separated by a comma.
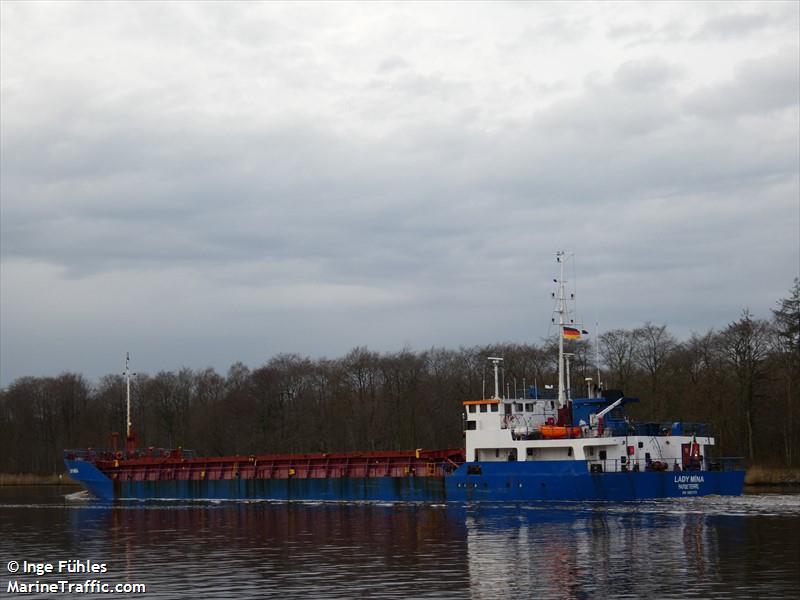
x,y
130,435
128,392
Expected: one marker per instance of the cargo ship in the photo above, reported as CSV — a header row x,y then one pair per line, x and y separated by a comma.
x,y
520,447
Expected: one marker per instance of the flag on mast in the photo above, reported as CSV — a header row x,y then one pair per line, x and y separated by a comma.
x,y
571,333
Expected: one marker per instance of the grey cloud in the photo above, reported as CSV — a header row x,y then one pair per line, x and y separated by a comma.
x,y
417,85
628,29
606,109
759,85
307,191
718,24
646,75
644,33
737,25
392,63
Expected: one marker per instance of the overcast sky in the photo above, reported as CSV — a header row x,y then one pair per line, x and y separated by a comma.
x,y
206,183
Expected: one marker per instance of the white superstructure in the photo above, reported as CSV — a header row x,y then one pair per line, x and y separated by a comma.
x,y
594,430
514,429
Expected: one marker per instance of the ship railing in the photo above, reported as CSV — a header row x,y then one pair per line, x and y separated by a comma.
x,y
288,468
669,428
93,454
77,454
616,465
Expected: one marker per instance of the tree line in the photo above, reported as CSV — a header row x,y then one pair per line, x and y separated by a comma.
x,y
743,380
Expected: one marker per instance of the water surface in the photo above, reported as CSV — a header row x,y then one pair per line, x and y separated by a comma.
x,y
688,548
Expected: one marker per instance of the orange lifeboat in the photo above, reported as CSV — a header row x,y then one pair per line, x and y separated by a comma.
x,y
557,432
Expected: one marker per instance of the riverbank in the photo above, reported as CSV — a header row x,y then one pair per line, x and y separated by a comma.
x,y
772,476
31,479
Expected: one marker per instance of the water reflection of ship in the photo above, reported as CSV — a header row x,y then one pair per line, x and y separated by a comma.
x,y
585,552
572,550
694,544
263,545
500,557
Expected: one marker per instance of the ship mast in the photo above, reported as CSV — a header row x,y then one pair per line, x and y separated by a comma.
x,y
597,357
128,392
561,309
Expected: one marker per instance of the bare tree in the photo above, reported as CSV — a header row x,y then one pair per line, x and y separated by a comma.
x,y
651,352
786,319
746,344
618,348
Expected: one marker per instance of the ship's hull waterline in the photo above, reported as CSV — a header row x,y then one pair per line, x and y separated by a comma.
x,y
496,482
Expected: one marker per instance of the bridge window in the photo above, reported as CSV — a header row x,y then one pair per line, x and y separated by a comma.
x,y
494,407
518,407
472,408
529,407
483,408
472,425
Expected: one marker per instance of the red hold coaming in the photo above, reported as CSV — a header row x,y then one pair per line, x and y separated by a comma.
x,y
160,465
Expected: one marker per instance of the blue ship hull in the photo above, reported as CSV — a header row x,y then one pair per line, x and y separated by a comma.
x,y
497,482
570,480
403,489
